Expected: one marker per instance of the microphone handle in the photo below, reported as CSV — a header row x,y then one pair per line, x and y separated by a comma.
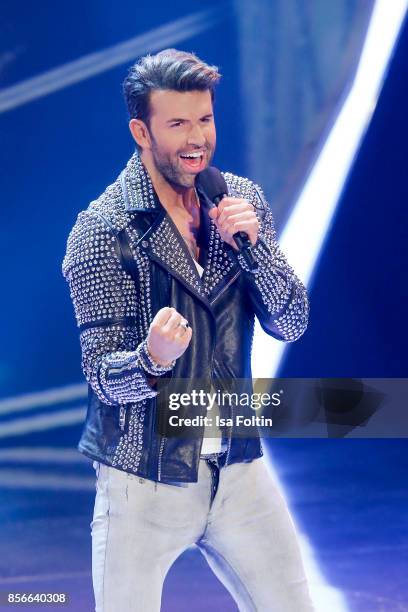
x,y
243,243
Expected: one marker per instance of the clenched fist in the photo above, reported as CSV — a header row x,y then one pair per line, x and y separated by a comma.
x,y
168,338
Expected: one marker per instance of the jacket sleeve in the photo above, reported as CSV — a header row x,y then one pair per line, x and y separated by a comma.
x,y
278,297
104,298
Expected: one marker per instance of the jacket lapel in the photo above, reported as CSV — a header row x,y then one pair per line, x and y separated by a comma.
x,y
162,241
164,244
220,266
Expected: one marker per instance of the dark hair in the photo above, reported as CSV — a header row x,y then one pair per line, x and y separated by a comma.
x,y
169,69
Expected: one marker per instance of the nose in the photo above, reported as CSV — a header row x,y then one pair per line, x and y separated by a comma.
x,y
196,136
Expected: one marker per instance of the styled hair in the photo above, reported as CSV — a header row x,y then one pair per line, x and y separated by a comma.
x,y
170,69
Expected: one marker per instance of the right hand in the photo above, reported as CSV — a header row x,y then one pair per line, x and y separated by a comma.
x,y
167,339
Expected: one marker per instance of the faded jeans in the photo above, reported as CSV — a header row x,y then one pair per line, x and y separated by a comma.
x,y
241,524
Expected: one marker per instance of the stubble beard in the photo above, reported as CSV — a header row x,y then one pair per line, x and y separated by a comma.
x,y
169,169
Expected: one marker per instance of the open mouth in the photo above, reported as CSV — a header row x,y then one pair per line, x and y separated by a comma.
x,y
194,160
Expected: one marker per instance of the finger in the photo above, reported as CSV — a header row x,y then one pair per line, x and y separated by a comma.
x,y
187,336
183,325
172,324
162,316
240,216
183,334
165,325
250,230
230,227
229,211
228,201
213,213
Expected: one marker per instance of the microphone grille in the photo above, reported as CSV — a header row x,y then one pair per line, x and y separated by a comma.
x,y
212,183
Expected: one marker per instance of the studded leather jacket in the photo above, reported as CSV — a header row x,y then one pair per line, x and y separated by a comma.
x,y
125,260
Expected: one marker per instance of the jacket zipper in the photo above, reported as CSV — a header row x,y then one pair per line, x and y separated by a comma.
x,y
231,280
212,359
230,436
160,458
162,442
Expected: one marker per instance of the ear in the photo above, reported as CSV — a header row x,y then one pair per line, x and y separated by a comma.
x,y
140,133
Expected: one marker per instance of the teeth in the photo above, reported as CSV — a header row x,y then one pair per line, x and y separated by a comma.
x,y
191,155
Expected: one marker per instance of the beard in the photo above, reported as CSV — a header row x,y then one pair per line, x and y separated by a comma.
x,y
168,165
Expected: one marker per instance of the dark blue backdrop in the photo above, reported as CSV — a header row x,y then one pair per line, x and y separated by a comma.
x,y
60,151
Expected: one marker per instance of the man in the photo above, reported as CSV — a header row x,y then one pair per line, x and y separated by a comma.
x,y
160,290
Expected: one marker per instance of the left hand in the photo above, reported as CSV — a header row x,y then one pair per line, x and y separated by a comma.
x,y
235,215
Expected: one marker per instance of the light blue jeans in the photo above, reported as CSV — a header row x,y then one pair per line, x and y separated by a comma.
x,y
244,531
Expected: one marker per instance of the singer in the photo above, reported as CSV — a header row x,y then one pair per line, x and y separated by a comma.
x,y
162,289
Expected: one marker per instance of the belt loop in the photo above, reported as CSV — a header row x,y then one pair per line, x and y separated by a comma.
x,y
97,466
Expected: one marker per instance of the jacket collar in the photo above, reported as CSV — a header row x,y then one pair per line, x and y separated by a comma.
x,y
137,187
163,242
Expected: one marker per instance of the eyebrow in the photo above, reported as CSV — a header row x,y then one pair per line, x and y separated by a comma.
x,y
184,120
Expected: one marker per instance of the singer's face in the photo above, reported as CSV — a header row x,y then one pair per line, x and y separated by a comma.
x,y
182,132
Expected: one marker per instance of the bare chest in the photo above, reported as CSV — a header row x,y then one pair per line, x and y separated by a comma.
x,y
188,225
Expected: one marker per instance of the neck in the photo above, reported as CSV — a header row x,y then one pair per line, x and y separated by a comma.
x,y
171,196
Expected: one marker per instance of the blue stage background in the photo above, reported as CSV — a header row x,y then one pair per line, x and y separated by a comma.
x,y
59,151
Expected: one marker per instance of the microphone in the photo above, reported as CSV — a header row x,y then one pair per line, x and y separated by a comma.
x,y
213,184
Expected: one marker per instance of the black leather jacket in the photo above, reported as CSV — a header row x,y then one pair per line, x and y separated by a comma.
x,y
125,260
